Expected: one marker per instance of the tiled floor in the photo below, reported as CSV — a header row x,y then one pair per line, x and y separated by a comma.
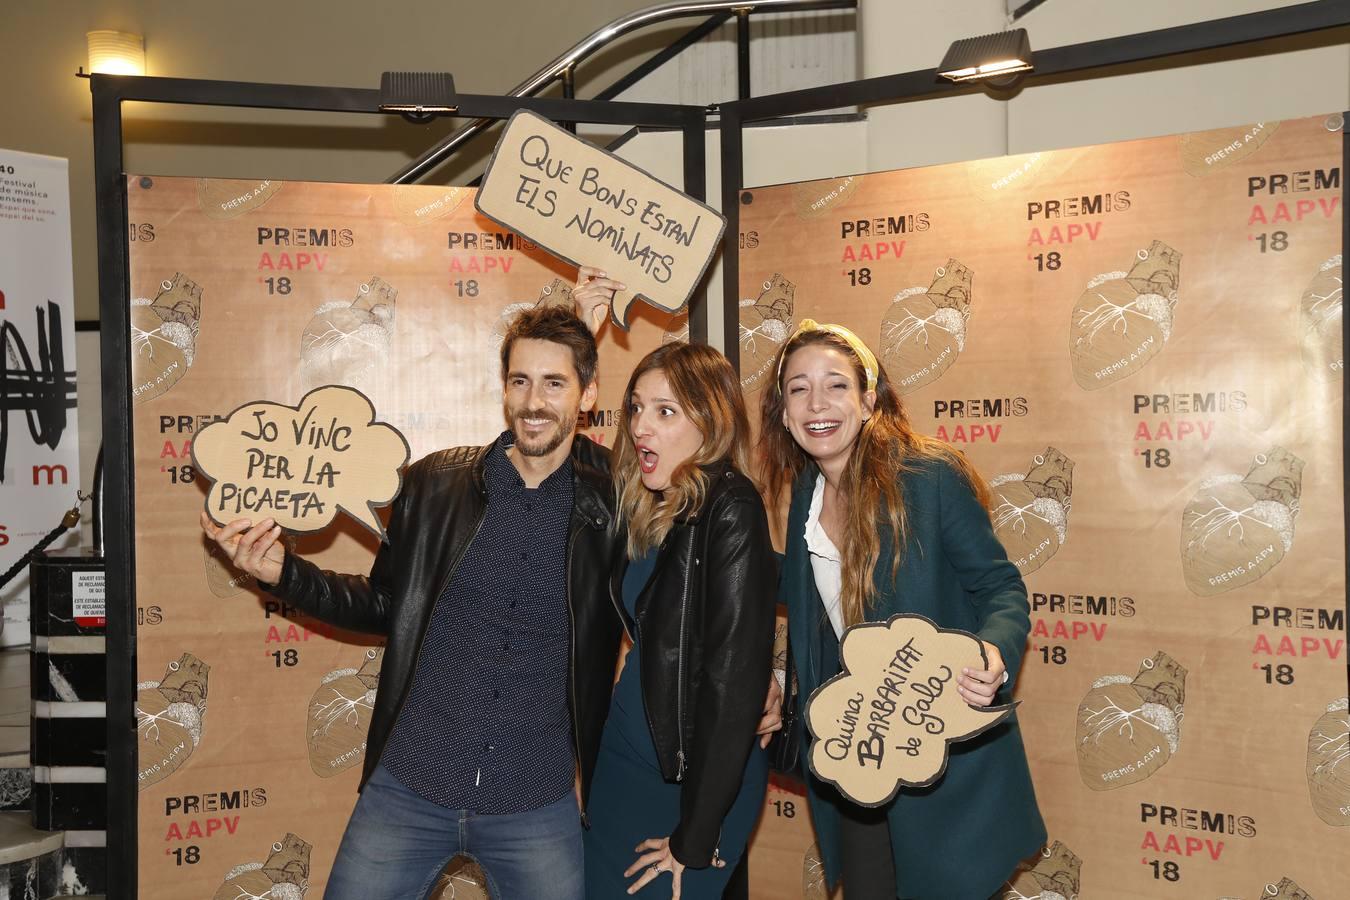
x,y
15,705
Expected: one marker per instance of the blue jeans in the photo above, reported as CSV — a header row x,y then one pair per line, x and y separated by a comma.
x,y
397,843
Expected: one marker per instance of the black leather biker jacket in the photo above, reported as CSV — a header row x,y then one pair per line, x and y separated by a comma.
x,y
432,523
705,621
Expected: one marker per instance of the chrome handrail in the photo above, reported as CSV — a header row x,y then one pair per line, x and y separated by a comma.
x,y
596,40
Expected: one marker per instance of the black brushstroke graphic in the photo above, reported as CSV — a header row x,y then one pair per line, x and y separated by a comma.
x,y
44,393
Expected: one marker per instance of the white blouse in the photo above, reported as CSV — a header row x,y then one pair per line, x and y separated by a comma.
x,y
826,563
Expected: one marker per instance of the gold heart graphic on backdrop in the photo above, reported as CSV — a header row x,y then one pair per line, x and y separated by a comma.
x,y
1129,728
1055,876
765,324
164,337
339,716
170,715
1235,529
285,875
1328,765
228,198
1124,319
348,343
1320,322
1031,512
924,329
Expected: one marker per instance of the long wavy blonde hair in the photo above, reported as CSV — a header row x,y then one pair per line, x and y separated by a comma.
x,y
870,490
709,392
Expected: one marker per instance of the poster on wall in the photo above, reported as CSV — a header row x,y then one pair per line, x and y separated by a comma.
x,y
1139,347
251,718
39,440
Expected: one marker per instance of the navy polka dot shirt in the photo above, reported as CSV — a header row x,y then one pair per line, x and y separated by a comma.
x,y
486,726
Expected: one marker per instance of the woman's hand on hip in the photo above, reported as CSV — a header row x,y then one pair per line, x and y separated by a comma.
x,y
978,686
654,858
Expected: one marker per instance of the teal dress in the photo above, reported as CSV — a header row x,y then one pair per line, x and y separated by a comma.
x,y
630,801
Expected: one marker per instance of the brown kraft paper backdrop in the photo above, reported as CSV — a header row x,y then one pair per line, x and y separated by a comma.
x,y
252,719
1139,345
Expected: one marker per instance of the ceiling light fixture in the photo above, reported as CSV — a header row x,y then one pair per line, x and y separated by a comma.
x,y
116,53
996,58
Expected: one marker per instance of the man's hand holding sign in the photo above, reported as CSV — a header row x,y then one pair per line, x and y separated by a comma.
x,y
887,719
277,467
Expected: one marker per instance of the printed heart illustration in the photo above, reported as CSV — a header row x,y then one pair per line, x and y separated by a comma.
x,y
285,875
221,575
1329,764
924,330
766,323
339,716
164,337
229,198
348,343
1319,322
676,330
813,877
1124,319
556,293
812,199
463,879
170,715
1287,889
417,204
1206,152
1031,511
1235,529
1055,876
1129,728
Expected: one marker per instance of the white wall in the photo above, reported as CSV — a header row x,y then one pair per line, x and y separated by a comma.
x,y
912,35
902,37
773,155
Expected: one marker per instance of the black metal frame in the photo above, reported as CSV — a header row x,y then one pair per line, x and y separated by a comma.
x,y
114,305
1087,60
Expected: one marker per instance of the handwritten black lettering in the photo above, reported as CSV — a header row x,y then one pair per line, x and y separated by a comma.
x,y
267,431
837,747
535,153
918,714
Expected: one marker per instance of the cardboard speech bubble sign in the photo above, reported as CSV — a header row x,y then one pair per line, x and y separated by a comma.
x,y
590,207
300,465
886,721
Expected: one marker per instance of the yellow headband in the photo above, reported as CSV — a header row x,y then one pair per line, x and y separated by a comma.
x,y
864,353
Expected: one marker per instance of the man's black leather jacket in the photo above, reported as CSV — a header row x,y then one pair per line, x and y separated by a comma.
x,y
705,622
435,517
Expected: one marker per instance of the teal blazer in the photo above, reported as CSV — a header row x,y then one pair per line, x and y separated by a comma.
x,y
963,836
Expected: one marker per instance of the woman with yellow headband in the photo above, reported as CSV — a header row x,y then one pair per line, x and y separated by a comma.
x,y
883,520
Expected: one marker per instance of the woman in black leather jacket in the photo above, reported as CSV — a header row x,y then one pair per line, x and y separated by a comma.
x,y
680,780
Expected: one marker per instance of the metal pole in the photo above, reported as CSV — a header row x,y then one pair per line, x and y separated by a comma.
x,y
743,53
119,539
733,176
695,185
569,92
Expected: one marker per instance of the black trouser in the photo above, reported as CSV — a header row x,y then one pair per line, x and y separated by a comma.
x,y
738,888
867,863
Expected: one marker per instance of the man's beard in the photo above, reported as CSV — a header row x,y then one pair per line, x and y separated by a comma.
x,y
546,443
